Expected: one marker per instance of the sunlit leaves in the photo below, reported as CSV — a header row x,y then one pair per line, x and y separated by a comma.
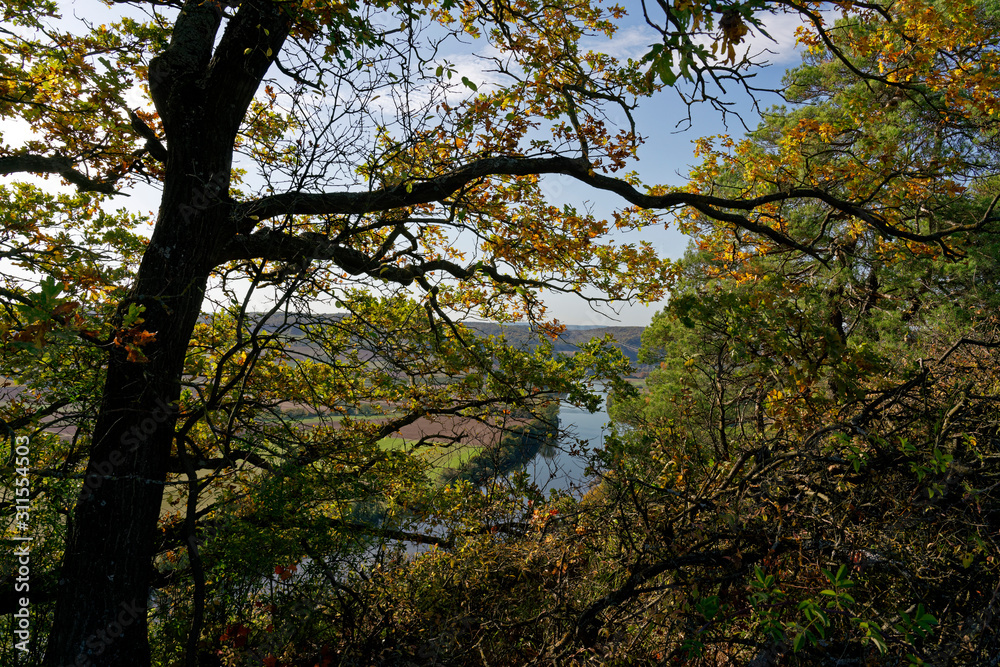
x,y
70,90
911,139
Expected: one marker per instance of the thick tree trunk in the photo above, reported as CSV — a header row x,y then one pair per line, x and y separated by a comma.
x,y
202,88
104,584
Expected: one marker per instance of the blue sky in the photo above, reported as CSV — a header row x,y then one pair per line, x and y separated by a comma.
x,y
668,153
665,157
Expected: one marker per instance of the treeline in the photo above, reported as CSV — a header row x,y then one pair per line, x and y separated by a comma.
x,y
520,445
519,336
626,339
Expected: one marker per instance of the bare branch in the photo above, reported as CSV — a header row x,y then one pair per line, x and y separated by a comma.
x,y
153,144
440,188
402,195
56,164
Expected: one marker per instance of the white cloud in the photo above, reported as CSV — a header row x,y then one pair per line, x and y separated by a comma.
x,y
782,47
629,42
16,132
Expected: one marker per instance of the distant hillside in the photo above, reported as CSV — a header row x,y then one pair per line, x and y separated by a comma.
x,y
627,339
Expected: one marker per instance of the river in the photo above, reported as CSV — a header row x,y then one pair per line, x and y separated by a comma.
x,y
563,468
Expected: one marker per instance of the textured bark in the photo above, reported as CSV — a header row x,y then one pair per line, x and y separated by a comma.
x,y
201,96
106,567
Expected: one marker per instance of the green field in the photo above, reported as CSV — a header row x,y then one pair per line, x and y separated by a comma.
x,y
441,458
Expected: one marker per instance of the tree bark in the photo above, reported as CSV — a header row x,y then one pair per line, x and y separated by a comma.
x,y
202,96
104,585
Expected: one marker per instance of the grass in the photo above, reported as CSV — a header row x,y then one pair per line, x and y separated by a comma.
x,y
442,459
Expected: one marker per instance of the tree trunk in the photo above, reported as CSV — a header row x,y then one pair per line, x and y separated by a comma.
x,y
104,583
202,88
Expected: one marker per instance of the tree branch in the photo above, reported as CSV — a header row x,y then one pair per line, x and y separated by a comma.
x,y
250,43
272,245
176,465
153,144
181,66
407,194
440,188
56,164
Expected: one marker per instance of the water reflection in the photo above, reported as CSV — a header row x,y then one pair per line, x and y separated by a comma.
x,y
562,466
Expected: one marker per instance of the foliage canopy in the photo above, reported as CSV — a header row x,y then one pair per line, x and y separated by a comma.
x,y
231,469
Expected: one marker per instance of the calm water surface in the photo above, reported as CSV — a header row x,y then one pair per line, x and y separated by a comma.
x,y
559,467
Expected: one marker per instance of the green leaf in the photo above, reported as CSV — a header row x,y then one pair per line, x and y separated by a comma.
x,y
667,76
50,288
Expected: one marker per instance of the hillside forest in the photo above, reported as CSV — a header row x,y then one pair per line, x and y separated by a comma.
x,y
288,418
